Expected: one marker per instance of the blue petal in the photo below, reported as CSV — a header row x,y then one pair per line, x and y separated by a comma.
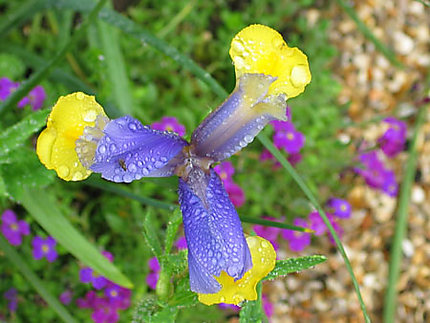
x,y
213,232
129,151
234,124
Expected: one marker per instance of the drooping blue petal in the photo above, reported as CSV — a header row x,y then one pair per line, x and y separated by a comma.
x,y
234,124
213,232
129,151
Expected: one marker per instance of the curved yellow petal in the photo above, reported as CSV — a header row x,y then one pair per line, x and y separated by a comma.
x,y
233,292
56,144
261,49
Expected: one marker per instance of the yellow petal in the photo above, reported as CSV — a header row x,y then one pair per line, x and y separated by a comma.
x,y
233,292
261,49
66,123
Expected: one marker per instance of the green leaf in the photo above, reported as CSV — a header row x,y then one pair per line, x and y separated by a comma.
x,y
119,82
293,265
23,169
150,235
32,278
148,311
11,66
43,207
252,311
15,136
172,228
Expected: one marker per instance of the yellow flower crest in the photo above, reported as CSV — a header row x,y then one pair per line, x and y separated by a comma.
x,y
56,144
233,292
261,49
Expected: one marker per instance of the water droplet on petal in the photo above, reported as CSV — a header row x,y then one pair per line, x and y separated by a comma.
x,y
80,96
299,76
90,115
63,171
112,148
132,126
77,176
264,244
102,149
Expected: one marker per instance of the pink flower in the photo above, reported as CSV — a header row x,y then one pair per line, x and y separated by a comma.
x,y
169,124
297,240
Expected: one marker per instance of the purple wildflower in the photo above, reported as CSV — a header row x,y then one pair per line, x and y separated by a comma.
x,y
267,306
269,233
87,274
317,224
336,227
376,175
88,301
154,272
119,297
12,229
169,124
225,306
12,296
7,87
287,137
297,240
35,98
44,248
66,297
393,140
340,208
181,243
294,159
225,171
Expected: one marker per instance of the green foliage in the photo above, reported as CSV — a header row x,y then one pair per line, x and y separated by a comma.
x,y
293,265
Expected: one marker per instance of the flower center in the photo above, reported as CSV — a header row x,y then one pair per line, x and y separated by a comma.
x,y
14,227
45,248
290,136
343,207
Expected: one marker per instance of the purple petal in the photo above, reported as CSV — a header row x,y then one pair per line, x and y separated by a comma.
x,y
234,124
213,232
153,264
8,217
24,227
86,275
99,282
152,280
130,151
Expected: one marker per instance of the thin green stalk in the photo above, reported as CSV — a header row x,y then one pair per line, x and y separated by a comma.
x,y
269,223
27,85
290,169
388,53
402,222
176,20
32,278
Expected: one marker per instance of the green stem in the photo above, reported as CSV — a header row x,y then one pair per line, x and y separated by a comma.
x,y
401,222
269,223
27,85
32,278
290,169
388,53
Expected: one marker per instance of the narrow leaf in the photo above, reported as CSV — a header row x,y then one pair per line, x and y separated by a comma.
x,y
43,207
15,136
252,311
172,228
150,235
32,278
293,265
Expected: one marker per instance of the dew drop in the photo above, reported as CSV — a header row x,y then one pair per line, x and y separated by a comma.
x,y
239,62
132,126
222,299
145,171
299,76
77,176
80,96
90,115
63,171
132,167
112,148
264,244
102,149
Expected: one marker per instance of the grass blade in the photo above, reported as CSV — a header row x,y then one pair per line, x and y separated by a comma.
x,y
402,222
293,265
43,207
275,224
32,278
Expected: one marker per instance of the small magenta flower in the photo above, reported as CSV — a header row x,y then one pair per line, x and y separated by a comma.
x,y
35,98
393,140
12,296
269,233
87,274
317,224
169,124
44,248
12,229
180,244
287,137
7,86
66,297
297,240
119,297
340,208
267,306
225,171
154,272
376,174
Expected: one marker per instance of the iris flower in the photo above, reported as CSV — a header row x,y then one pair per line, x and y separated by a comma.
x,y
224,266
